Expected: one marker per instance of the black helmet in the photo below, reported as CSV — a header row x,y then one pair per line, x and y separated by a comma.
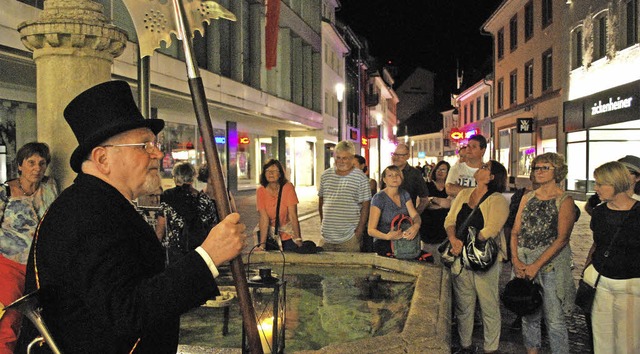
x,y
521,296
479,255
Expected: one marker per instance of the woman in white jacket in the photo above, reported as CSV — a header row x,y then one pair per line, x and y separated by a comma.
x,y
469,285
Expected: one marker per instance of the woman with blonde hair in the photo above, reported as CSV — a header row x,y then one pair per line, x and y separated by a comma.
x,y
612,264
540,251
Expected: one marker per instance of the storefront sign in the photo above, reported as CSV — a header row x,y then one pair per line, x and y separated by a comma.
x,y
619,103
616,105
220,140
421,154
364,141
525,125
243,140
457,135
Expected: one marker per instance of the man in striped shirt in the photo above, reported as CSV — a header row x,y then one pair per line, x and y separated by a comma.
x,y
344,198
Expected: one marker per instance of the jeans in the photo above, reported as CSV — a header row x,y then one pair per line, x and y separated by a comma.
x,y
553,316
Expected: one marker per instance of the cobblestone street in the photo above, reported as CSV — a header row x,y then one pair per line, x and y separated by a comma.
x,y
511,340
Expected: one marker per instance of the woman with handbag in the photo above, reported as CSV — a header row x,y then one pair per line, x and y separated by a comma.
x,y
613,266
277,196
540,251
385,206
23,203
485,209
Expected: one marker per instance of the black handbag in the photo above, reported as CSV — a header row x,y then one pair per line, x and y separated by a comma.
x,y
521,296
585,295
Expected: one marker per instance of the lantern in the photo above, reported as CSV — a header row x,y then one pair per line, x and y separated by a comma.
x,y
269,295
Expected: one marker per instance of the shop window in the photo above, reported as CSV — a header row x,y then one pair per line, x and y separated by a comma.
x,y
504,145
576,163
526,153
576,48
500,45
513,87
513,33
528,79
600,37
547,70
547,13
528,21
631,23
181,142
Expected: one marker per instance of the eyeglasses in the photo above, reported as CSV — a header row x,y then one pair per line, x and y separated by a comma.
x,y
441,170
542,168
272,171
401,155
150,146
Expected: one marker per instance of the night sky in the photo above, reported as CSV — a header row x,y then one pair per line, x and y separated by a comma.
x,y
433,34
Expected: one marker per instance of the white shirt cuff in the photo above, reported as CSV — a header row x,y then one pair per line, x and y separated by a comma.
x,y
208,261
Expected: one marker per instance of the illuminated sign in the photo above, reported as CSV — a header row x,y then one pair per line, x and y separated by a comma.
x,y
457,135
220,140
243,140
421,154
525,125
619,103
364,141
353,134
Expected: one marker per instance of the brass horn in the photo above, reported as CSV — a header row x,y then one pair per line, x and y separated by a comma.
x,y
29,305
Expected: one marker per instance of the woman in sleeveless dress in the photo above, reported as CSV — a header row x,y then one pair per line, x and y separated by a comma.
x,y
23,203
540,251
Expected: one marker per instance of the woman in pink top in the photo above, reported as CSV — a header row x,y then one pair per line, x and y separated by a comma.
x,y
271,180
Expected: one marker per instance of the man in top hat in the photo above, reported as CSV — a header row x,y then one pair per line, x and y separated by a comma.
x,y
632,163
100,268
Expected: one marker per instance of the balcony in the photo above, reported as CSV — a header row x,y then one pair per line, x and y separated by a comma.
x,y
371,99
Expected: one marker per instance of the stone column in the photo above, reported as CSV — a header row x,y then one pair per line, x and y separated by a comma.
x,y
73,47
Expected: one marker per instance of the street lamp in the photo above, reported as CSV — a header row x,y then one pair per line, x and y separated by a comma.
x,y
379,122
340,97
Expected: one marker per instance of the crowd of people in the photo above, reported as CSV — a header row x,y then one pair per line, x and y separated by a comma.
x,y
89,250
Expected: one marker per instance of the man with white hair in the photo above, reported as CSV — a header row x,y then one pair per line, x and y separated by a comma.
x,y
344,198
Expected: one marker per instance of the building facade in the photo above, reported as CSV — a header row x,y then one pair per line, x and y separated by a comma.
x,y
529,73
602,101
289,112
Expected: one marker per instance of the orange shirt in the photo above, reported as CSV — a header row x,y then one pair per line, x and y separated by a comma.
x,y
266,201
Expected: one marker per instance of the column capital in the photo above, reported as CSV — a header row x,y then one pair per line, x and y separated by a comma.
x,y
73,27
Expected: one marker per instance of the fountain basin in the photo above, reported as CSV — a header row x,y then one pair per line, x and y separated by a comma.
x,y
427,328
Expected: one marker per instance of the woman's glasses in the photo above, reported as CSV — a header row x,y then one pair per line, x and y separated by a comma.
x,y
542,168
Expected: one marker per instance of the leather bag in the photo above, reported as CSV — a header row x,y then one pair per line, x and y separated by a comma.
x,y
404,248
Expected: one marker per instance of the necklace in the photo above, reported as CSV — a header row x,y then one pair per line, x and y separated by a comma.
x,y
25,192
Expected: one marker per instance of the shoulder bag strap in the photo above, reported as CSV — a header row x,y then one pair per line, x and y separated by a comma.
x,y
466,222
278,211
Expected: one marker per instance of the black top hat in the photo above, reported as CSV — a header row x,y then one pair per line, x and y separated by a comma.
x,y
101,112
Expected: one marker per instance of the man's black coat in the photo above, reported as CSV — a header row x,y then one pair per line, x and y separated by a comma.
x,y
102,276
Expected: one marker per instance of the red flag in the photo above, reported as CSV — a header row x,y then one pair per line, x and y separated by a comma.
x,y
271,33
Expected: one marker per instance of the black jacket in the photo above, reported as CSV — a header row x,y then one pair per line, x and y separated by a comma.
x,y
102,276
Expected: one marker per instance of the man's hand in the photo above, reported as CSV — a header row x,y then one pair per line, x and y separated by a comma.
x,y
226,240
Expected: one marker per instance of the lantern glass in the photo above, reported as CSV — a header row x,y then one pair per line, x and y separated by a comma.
x,y
268,295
